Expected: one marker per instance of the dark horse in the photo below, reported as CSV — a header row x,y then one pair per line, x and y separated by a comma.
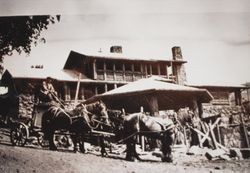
x,y
77,122
149,126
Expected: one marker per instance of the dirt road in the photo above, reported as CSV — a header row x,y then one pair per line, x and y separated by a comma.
x,y
32,158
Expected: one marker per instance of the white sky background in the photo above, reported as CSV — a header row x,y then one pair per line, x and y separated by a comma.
x,y
214,34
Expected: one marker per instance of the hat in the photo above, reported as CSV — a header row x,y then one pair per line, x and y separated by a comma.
x,y
49,78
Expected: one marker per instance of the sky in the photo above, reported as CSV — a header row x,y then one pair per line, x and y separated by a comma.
x,y
214,35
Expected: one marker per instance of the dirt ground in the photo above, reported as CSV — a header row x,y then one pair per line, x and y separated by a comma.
x,y
32,158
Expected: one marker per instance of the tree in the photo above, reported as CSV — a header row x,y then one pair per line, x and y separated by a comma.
x,y
18,33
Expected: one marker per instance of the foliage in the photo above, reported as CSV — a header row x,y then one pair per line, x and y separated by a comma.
x,y
18,33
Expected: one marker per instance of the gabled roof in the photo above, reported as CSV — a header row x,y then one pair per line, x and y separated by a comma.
x,y
169,95
76,58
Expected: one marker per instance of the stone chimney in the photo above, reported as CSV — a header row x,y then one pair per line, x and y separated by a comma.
x,y
116,49
176,52
178,68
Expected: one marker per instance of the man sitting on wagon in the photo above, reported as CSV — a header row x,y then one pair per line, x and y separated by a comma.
x,y
47,92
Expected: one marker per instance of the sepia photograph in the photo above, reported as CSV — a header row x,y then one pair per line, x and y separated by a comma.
x,y
124,86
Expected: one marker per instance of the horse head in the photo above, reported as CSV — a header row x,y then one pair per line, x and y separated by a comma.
x,y
103,112
97,112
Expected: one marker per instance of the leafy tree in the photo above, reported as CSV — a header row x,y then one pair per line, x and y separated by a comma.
x,y
18,33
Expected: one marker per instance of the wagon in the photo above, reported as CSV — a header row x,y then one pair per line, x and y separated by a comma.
x,y
28,130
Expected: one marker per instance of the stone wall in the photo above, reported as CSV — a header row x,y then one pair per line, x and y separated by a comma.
x,y
230,126
26,106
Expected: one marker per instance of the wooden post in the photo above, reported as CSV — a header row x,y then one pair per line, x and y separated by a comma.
x,y
167,71
142,137
94,69
141,70
153,105
82,92
150,69
185,136
158,69
77,89
244,130
133,72
104,70
212,135
146,70
105,87
123,70
96,90
114,72
218,131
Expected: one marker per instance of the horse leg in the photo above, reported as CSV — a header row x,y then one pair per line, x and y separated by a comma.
x,y
81,144
50,135
102,144
129,155
74,138
167,141
131,150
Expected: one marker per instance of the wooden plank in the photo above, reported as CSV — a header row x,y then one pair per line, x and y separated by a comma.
x,y
202,134
77,89
213,136
102,133
244,130
212,127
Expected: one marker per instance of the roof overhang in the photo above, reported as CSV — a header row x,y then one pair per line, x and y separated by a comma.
x,y
136,94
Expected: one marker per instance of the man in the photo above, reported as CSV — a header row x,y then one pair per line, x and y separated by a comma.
x,y
47,91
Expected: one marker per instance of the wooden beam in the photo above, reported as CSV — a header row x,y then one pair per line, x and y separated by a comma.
x,y
167,71
150,69
114,71
202,134
133,70
105,87
104,70
244,130
158,69
123,69
94,69
212,136
212,127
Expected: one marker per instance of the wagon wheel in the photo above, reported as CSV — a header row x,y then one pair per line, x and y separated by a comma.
x,y
41,141
61,140
19,134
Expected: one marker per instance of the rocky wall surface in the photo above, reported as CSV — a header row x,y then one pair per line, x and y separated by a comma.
x,y
230,125
26,106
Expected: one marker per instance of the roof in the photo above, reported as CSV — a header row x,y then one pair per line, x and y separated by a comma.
x,y
34,73
116,56
169,95
222,87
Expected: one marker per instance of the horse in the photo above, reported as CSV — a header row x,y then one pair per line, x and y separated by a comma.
x,y
78,122
153,127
